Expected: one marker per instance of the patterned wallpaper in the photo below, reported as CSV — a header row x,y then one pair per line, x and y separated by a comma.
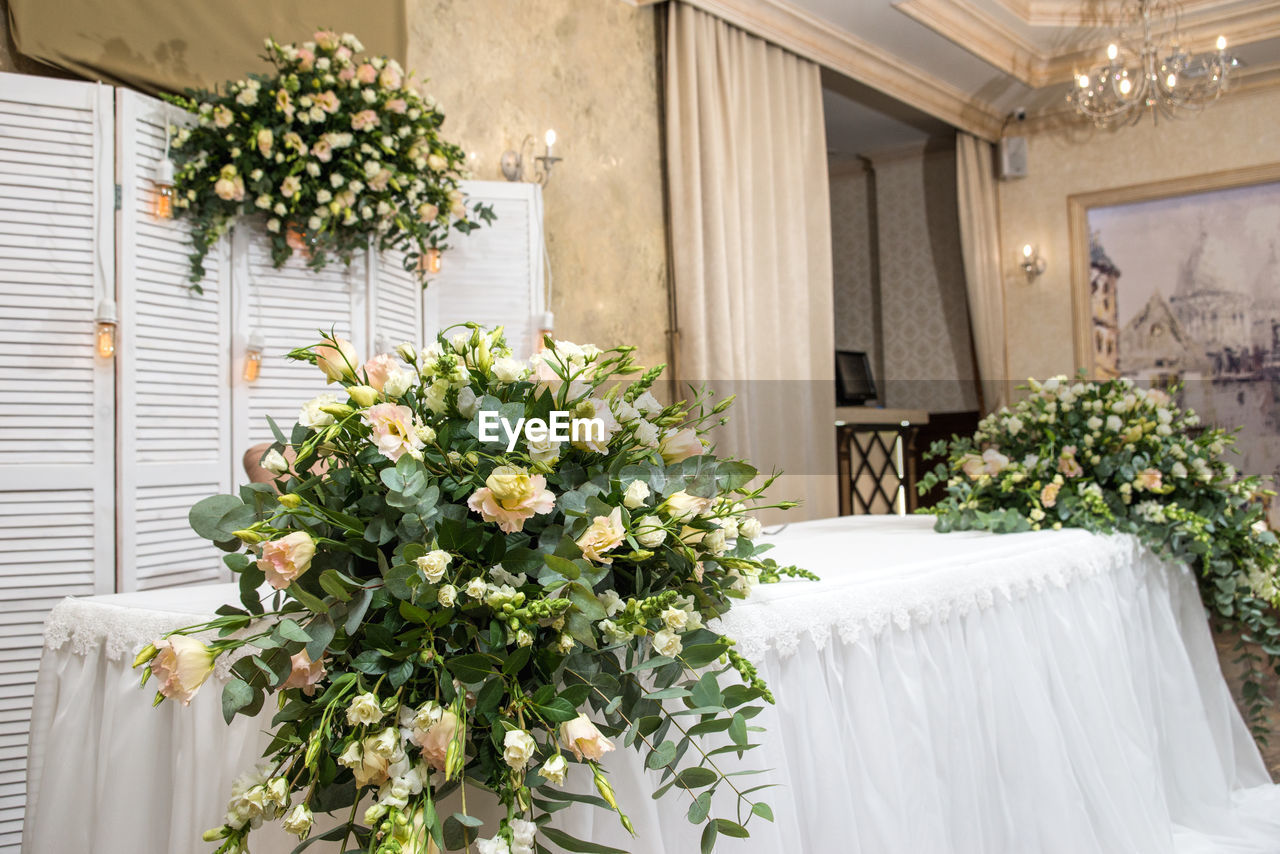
x,y
914,313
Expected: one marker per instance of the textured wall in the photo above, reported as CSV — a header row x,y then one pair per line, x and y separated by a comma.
x,y
928,354
857,297
502,70
1243,130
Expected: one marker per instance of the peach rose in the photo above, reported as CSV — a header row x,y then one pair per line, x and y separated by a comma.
x,y
181,666
581,736
1049,495
378,369
680,445
510,496
605,533
397,105
285,559
1149,479
364,119
1067,463
306,59
338,362
390,78
434,740
366,73
306,673
328,101
972,466
393,430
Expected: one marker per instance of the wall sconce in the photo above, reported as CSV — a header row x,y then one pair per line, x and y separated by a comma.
x,y
546,328
253,356
162,204
429,261
513,161
107,321
1031,262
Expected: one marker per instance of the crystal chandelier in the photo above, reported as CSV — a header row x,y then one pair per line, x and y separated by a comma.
x,y
1156,76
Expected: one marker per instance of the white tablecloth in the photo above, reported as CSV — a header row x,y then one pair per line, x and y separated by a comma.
x,y
1047,692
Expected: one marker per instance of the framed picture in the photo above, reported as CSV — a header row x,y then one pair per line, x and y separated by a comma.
x,y
1179,282
854,384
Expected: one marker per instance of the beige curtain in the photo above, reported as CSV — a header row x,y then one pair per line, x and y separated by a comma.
x,y
980,246
751,247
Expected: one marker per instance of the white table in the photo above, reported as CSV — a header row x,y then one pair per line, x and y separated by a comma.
x,y
1048,692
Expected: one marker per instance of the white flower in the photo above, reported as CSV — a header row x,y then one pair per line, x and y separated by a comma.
x,y
468,403
546,450
508,370
749,527
650,533
714,543
476,588
1178,470
1094,423
298,822
364,709
667,642
565,644
397,382
610,601
311,415
675,619
523,638
1013,425
434,564
647,433
274,462
554,769
496,845
447,595
518,748
1114,423
625,412
523,834
636,493
648,404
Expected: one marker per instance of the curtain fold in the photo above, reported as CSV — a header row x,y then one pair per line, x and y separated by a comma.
x,y
751,247
976,199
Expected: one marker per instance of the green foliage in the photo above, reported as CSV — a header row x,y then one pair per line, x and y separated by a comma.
x,y
1113,457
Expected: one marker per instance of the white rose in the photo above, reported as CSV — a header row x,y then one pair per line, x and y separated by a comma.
x,y
714,542
468,403
554,769
1114,423
675,619
476,588
667,642
496,845
397,382
681,506
546,450
648,404
311,415
434,564
610,601
364,709
518,748
650,533
508,370
274,462
298,822
637,491
749,527
647,433
447,595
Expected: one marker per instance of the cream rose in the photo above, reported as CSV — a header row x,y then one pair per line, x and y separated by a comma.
x,y
680,445
181,665
274,462
285,559
510,496
635,494
604,534
581,736
434,564
650,533
554,770
313,416
667,642
447,595
749,527
305,673
681,506
298,821
364,710
518,748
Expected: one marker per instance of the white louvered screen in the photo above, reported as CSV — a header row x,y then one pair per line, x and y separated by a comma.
x,y
394,303
56,535
174,417
494,275
288,306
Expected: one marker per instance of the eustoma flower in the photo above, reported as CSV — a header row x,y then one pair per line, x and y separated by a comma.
x,y
510,496
285,559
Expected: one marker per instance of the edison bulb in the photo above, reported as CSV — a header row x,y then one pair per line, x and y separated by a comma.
x,y
1222,42
1112,52
1125,86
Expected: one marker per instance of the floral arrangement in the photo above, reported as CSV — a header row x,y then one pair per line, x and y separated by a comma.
x,y
456,611
333,150
1115,457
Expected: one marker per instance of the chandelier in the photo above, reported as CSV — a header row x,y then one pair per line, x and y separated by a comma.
x,y
1155,76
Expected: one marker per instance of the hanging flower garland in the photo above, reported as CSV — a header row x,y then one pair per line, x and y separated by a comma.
x,y
332,151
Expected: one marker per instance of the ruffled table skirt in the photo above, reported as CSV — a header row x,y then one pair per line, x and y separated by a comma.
x,y
1048,692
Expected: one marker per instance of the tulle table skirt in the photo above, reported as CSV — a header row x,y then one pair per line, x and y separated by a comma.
x,y
1046,692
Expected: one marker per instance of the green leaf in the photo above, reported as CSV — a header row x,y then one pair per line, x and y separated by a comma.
x,y
573,843
700,655
731,828
471,668
332,582
236,694
558,710
208,516
586,602
458,835
707,692
662,755
738,730
321,630
289,630
310,601
709,834
696,777
763,810
562,567
700,808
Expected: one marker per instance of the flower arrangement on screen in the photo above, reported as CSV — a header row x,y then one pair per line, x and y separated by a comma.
x,y
331,151
1115,457
458,612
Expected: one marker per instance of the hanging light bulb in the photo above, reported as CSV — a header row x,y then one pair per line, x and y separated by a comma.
x,y
1222,43
1125,86
1112,52
107,321
430,261
253,356
162,203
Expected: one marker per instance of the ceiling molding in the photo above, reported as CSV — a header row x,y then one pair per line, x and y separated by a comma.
x,y
815,39
1074,13
994,41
